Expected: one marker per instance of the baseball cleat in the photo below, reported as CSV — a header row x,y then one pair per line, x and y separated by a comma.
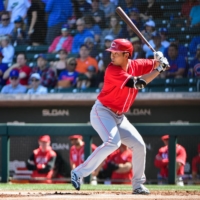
x,y
75,180
141,190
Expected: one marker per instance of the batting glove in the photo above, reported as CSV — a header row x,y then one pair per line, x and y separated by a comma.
x,y
158,55
164,65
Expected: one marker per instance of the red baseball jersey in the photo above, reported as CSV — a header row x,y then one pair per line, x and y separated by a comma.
x,y
43,158
122,157
196,164
163,163
114,93
77,155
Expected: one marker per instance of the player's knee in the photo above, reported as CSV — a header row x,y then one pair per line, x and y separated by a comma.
x,y
115,145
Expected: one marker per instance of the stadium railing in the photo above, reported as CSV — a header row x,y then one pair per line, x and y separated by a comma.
x,y
150,129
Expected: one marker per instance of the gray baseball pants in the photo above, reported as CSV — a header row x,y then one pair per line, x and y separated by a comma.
x,y
114,129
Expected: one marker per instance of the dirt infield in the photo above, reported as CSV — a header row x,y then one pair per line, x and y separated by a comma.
x,y
98,195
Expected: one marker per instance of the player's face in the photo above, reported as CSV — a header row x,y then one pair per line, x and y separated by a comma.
x,y
74,141
166,142
118,58
44,145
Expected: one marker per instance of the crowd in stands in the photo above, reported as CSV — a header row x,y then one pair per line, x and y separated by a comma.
x,y
77,32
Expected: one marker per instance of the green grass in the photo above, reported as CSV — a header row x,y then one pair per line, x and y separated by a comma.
x,y
66,187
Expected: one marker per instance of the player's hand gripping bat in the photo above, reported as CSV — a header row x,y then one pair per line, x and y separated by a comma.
x,y
128,21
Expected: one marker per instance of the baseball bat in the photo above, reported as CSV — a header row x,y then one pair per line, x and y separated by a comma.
x,y
128,21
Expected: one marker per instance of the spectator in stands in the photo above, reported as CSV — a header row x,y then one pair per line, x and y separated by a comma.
x,y
163,34
84,61
92,27
137,45
3,68
105,55
149,30
18,34
177,63
162,161
114,28
18,9
48,76
68,77
76,14
156,45
24,70
6,27
130,5
108,8
93,48
194,69
14,87
186,8
126,33
36,87
135,17
88,79
181,48
64,41
196,166
194,19
80,36
60,65
36,23
76,152
42,161
84,7
193,45
150,10
59,12
7,50
98,15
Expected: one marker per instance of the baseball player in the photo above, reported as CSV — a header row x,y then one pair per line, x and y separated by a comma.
x,y
77,150
123,78
42,160
162,160
196,166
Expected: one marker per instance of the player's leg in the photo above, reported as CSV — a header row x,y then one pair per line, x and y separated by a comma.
x,y
131,138
103,121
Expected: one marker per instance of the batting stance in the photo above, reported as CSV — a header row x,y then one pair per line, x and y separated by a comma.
x,y
123,78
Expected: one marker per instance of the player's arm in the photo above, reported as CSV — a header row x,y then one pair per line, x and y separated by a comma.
x,y
72,165
30,164
124,167
141,81
42,168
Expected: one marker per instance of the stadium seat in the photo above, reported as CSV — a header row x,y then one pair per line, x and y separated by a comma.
x,y
184,89
38,49
146,89
21,48
160,89
180,82
192,81
157,82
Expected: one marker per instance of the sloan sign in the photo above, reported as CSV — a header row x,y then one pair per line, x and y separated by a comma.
x,y
55,112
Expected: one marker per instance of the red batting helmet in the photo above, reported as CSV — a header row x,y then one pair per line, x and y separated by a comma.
x,y
121,45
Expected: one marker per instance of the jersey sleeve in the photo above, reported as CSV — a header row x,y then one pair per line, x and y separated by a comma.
x,y
143,66
117,76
